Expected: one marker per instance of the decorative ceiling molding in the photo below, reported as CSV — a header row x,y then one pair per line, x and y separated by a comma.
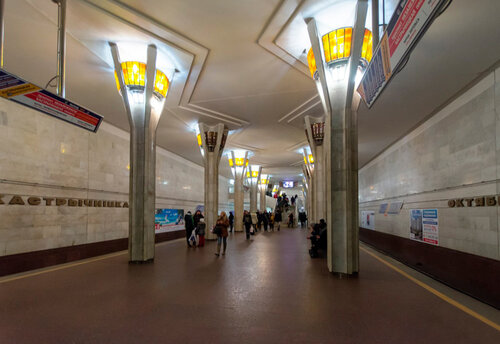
x,y
284,12
280,19
297,146
298,109
153,28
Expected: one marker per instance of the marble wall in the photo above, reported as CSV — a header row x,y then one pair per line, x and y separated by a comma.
x,y
454,154
43,156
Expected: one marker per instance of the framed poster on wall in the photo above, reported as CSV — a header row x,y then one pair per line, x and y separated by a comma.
x,y
424,225
368,219
168,220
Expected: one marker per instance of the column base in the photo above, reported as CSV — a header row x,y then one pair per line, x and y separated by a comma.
x,y
141,261
341,275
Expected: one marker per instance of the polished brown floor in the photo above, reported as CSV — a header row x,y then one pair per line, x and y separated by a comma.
x,y
263,291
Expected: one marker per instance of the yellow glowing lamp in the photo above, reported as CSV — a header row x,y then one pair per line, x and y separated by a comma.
x,y
337,45
263,181
200,142
134,76
255,174
231,162
239,161
311,159
312,63
305,160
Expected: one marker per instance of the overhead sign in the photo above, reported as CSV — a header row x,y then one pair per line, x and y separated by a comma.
x,y
25,93
408,23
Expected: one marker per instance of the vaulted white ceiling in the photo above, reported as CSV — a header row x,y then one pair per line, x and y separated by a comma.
x,y
242,62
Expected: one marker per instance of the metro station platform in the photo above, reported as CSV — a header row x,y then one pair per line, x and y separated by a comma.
x,y
266,290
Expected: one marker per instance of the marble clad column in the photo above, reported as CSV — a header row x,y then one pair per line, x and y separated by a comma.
x,y
238,161
308,188
336,89
310,169
253,176
211,140
143,120
264,180
315,131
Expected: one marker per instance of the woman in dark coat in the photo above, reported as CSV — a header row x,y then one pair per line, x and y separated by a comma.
x,y
223,224
197,216
189,225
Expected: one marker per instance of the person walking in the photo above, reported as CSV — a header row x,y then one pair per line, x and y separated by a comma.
x,y
200,231
271,221
278,219
247,221
231,221
265,220
222,224
189,225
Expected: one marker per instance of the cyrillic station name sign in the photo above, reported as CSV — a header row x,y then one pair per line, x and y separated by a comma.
x,y
58,201
489,201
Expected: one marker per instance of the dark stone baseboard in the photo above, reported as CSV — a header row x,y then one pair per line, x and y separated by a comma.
x,y
21,262
476,276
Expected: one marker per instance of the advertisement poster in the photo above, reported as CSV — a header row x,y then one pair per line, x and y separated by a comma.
x,y
168,220
25,93
395,208
424,225
410,20
430,226
368,219
383,208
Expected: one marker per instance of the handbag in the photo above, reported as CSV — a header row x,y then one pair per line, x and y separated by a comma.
x,y
217,230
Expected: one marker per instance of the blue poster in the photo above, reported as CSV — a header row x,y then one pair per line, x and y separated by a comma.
x,y
167,220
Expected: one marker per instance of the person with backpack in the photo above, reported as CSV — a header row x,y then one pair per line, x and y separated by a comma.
x,y
189,225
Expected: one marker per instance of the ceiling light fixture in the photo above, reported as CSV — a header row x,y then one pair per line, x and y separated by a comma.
x,y
337,49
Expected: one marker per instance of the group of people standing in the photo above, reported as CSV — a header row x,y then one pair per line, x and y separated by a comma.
x,y
196,228
263,220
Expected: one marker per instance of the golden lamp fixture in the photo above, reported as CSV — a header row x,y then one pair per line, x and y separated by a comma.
x,y
337,48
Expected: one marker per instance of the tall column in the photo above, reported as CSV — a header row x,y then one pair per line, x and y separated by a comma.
x,y
144,105
311,172
253,176
264,180
308,188
238,161
211,141
336,86
315,131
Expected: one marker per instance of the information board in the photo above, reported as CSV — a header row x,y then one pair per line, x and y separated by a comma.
x,y
25,93
408,23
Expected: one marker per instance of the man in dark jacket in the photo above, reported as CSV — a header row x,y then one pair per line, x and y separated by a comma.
x,y
278,218
231,221
189,225
247,221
